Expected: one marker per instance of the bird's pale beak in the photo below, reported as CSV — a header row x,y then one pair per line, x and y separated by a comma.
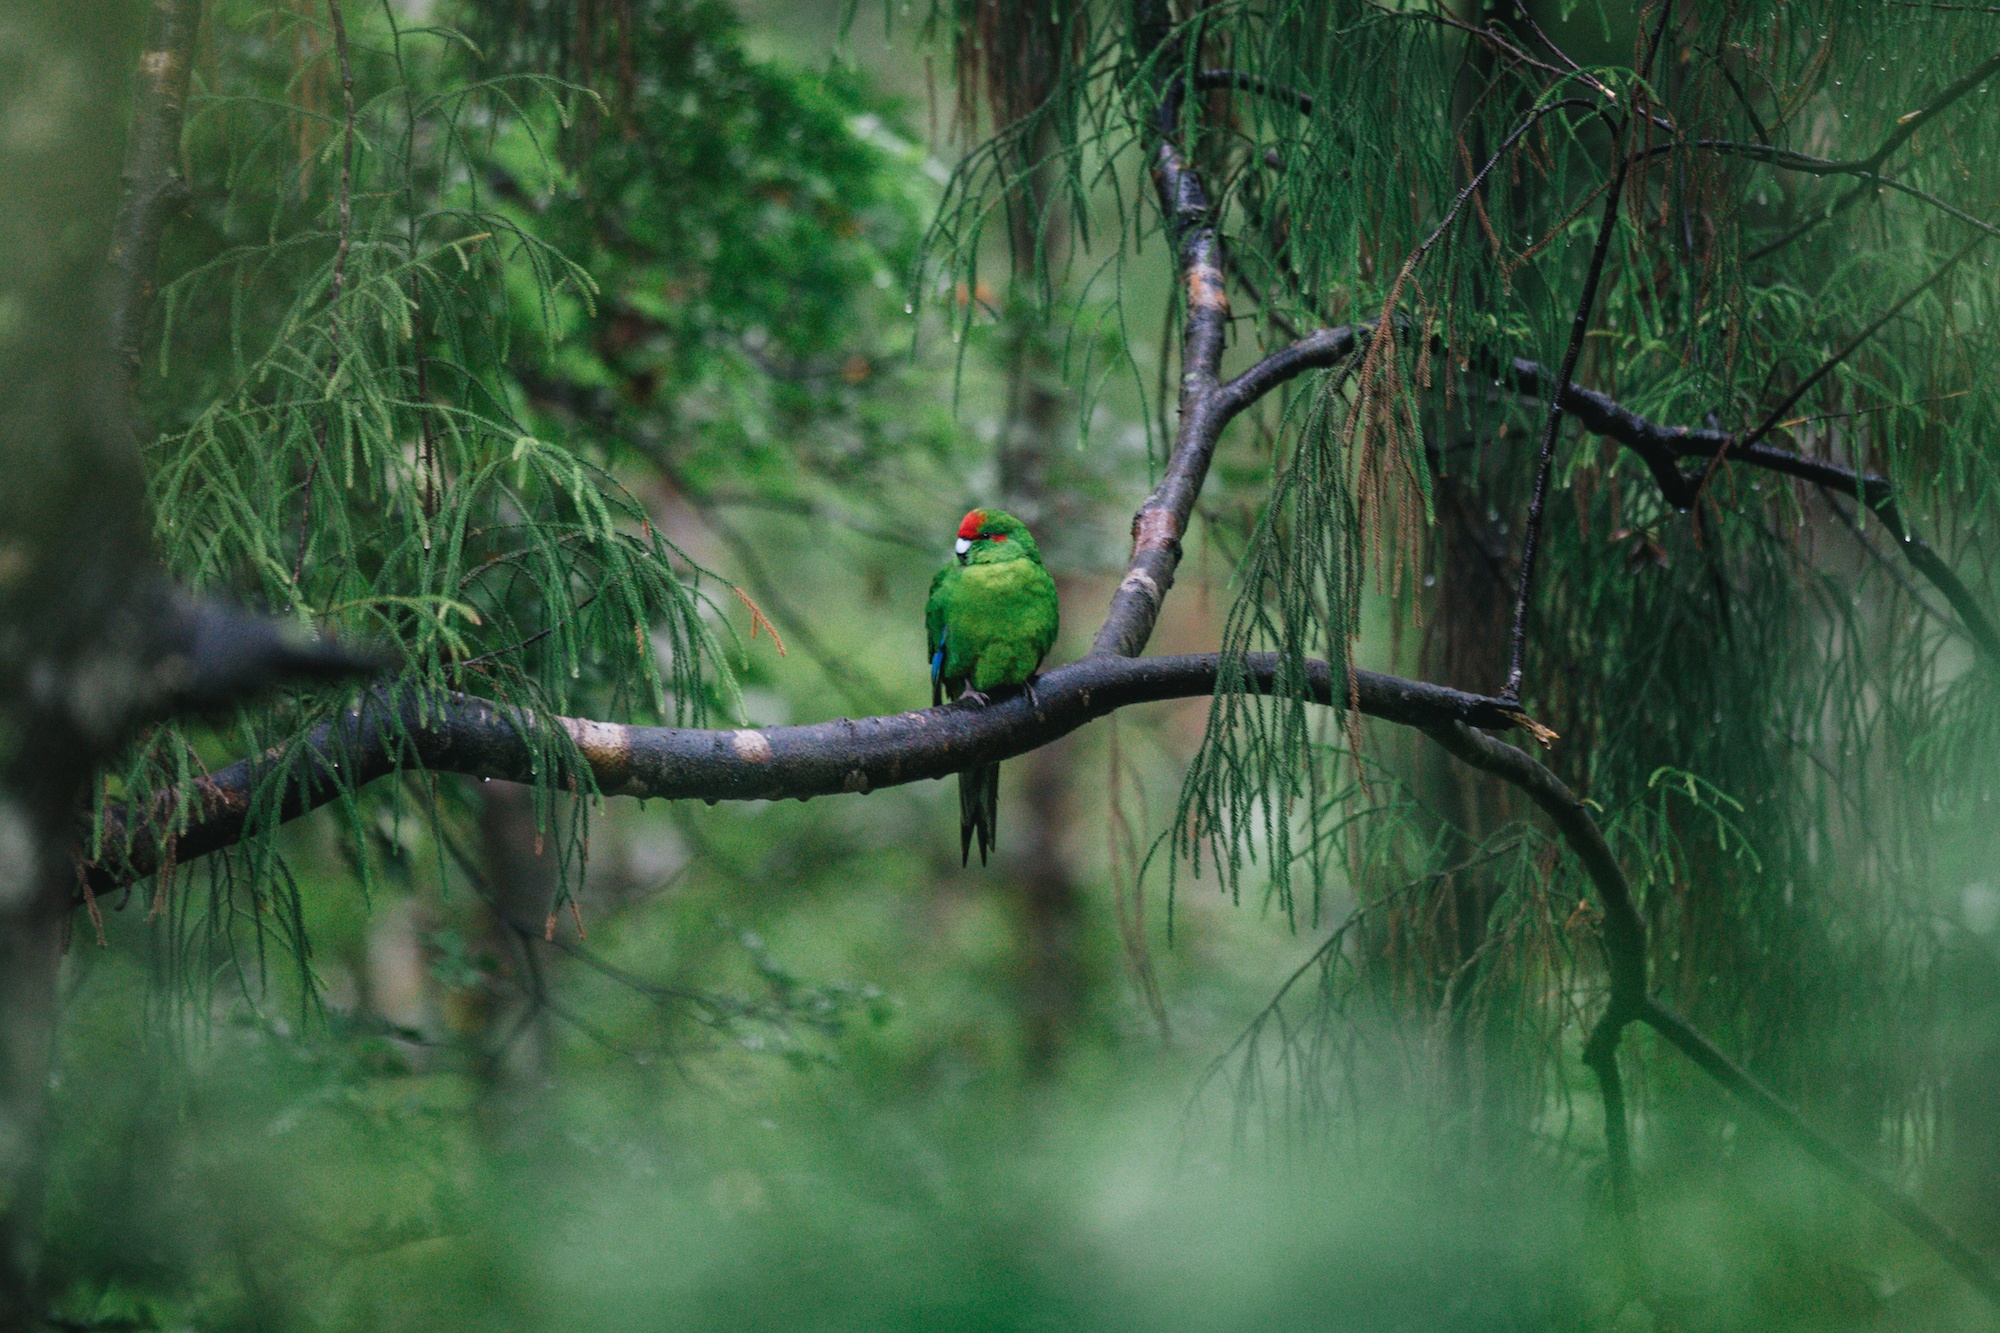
x,y
963,545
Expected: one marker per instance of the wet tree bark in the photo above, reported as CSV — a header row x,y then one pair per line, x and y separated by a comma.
x,y
1465,638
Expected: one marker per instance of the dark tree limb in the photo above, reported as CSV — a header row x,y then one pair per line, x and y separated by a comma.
x,y
1662,447
1162,520
395,727
1600,1056
1691,1042
463,734
1624,939
1206,405
1624,929
154,190
1907,126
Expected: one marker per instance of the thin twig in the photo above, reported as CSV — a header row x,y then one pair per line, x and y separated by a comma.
x,y
1579,331
1209,79
527,642
338,286
346,195
1825,368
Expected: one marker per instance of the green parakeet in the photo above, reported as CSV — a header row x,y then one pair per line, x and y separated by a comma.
x,y
990,620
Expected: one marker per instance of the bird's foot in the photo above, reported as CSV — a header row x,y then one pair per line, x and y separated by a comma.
x,y
975,696
1034,702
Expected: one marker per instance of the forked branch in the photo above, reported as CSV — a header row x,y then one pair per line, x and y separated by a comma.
x,y
1162,520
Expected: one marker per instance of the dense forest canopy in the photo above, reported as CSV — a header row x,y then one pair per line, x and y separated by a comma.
x,y
1503,840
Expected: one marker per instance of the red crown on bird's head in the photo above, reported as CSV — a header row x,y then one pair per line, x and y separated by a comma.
x,y
968,528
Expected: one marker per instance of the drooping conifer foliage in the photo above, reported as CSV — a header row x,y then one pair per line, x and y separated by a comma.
x,y
433,301
1634,364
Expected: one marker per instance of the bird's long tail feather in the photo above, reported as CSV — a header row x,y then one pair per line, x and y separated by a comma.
x,y
978,810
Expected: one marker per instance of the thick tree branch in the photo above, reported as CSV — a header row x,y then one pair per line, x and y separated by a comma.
x,y
1623,932
395,728
1162,520
152,180
1624,928
476,737
1907,126
1661,448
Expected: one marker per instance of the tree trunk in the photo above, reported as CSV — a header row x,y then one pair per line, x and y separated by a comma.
x,y
71,552
94,644
30,957
513,1049
1052,985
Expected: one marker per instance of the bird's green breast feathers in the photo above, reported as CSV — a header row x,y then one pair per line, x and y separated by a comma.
x,y
997,621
